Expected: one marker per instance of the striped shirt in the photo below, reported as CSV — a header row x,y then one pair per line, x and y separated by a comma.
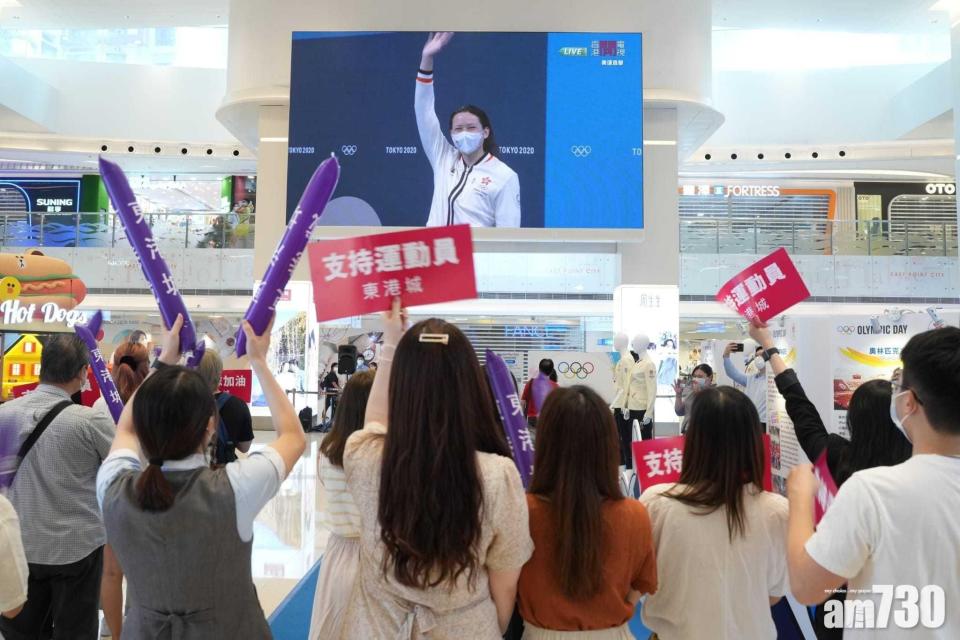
x,y
341,516
54,491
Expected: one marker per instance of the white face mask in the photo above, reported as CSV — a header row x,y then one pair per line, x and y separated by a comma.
x,y
699,384
895,417
467,141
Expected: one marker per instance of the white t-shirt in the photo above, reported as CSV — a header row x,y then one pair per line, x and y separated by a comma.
x,y
896,526
486,194
13,561
254,479
710,586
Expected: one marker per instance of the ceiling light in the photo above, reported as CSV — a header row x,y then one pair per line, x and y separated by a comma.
x,y
274,139
649,143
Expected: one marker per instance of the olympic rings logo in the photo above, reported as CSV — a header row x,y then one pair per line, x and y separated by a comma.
x,y
571,370
349,149
581,150
846,330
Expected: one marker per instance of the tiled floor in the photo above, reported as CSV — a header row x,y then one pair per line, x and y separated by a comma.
x,y
287,536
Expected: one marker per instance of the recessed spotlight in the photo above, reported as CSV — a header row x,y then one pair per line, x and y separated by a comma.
x,y
707,157
103,147
815,155
130,149
156,149
733,156
183,151
209,152
759,156
787,155
843,153
236,152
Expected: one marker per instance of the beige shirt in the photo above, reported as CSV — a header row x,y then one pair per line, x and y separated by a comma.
x,y
13,576
383,608
710,582
642,389
621,379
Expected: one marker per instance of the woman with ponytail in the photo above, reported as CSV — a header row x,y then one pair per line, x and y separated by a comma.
x,y
131,366
182,530
593,549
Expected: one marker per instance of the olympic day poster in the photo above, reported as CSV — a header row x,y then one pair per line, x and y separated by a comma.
x,y
864,349
594,370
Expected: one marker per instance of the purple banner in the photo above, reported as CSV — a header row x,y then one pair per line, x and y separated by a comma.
x,y
88,333
154,267
511,413
287,255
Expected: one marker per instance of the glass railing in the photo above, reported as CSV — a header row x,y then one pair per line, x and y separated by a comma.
x,y
807,236
182,230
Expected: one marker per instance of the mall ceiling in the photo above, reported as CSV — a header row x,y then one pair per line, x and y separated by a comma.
x,y
858,16
106,14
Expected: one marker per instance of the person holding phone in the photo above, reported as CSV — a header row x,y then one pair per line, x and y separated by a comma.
x,y
753,378
471,185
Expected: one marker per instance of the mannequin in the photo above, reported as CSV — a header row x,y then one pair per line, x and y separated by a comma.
x,y
642,391
621,383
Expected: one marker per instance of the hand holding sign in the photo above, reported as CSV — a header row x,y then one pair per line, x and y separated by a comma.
x,y
312,203
154,267
354,276
765,289
88,333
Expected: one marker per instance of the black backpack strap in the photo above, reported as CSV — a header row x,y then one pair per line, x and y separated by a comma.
x,y
41,427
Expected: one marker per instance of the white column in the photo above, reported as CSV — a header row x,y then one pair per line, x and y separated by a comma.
x,y
271,184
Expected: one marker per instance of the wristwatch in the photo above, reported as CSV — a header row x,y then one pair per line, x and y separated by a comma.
x,y
769,353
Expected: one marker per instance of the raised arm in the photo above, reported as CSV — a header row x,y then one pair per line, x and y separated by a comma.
x,y
737,376
811,432
394,325
428,125
290,441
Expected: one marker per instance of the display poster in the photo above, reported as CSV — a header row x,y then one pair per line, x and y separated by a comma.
x,y
355,276
594,370
653,311
785,450
864,349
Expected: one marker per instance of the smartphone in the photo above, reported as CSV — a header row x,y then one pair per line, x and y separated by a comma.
x,y
738,347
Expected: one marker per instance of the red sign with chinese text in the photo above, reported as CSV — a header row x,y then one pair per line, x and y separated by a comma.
x,y
90,392
23,389
765,289
660,460
237,382
828,488
354,276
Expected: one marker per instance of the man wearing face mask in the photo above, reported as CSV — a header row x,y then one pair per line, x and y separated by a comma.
x,y
753,379
471,185
896,527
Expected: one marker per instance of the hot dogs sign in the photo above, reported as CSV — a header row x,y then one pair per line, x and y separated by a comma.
x,y
35,287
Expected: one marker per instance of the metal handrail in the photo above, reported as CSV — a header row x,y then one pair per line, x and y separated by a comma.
x,y
25,228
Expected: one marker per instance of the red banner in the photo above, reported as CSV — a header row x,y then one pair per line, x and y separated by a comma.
x,y
828,488
765,289
23,389
90,392
660,460
354,276
237,382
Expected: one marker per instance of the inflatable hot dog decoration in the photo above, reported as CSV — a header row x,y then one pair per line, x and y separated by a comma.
x,y
33,278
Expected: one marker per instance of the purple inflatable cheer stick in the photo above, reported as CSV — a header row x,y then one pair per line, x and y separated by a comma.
x,y
511,413
154,267
88,333
294,241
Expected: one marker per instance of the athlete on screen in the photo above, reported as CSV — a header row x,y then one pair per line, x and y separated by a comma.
x,y
471,185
